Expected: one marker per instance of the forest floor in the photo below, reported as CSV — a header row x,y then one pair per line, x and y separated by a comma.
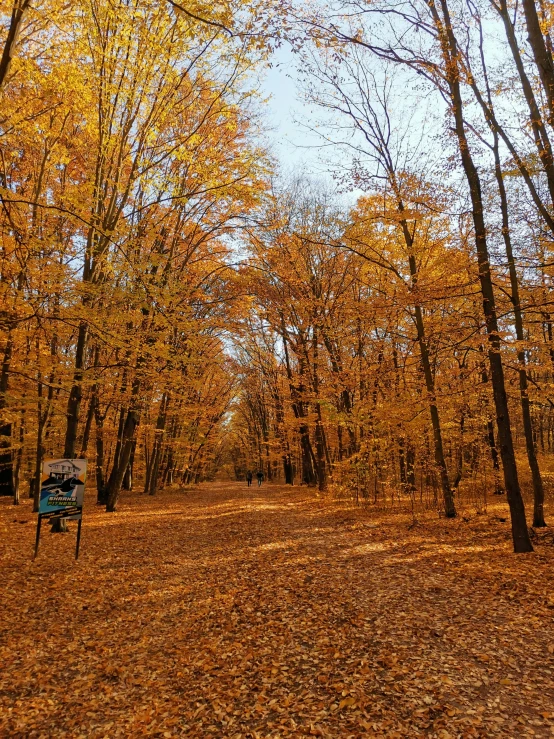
x,y
229,612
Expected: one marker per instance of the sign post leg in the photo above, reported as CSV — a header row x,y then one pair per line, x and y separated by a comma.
x,y
78,538
38,536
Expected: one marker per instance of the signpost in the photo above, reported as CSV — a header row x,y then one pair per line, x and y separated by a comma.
x,y
62,492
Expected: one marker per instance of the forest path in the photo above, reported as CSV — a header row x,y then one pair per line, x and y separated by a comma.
x,y
233,612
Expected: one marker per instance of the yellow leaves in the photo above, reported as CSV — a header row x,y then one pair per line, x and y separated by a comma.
x,y
316,731
222,612
349,702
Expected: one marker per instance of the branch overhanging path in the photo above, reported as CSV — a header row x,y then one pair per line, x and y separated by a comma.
x,y
248,613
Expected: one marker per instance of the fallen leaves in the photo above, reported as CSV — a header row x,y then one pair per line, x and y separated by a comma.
x,y
223,613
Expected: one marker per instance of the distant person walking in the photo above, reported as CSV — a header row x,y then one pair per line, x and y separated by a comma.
x,y
260,476
249,478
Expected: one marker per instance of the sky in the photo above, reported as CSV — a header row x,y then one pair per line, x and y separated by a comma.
x,y
293,144
288,117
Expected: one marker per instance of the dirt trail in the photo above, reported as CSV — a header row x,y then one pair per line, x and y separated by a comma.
x,y
231,612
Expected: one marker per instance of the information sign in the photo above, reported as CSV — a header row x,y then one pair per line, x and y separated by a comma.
x,y
63,485
62,491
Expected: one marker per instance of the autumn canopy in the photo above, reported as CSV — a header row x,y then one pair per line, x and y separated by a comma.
x,y
175,307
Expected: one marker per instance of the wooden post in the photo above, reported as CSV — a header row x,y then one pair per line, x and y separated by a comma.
x,y
38,536
78,537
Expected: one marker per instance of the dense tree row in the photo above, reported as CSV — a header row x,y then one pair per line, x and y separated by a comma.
x,y
439,354
128,157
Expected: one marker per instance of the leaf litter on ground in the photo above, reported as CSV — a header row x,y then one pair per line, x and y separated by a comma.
x,y
227,612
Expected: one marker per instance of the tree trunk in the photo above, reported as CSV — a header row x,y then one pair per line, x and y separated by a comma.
x,y
288,469
460,455
543,59
320,452
540,133
88,423
498,490
520,533
18,12
320,440
538,488
123,414
448,497
309,475
76,395
6,460
307,454
401,461
152,481
6,456
59,525
440,461
116,478
39,456
128,477
19,459
410,469
126,445
101,498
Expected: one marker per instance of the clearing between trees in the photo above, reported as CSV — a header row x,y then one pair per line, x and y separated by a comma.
x,y
234,612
